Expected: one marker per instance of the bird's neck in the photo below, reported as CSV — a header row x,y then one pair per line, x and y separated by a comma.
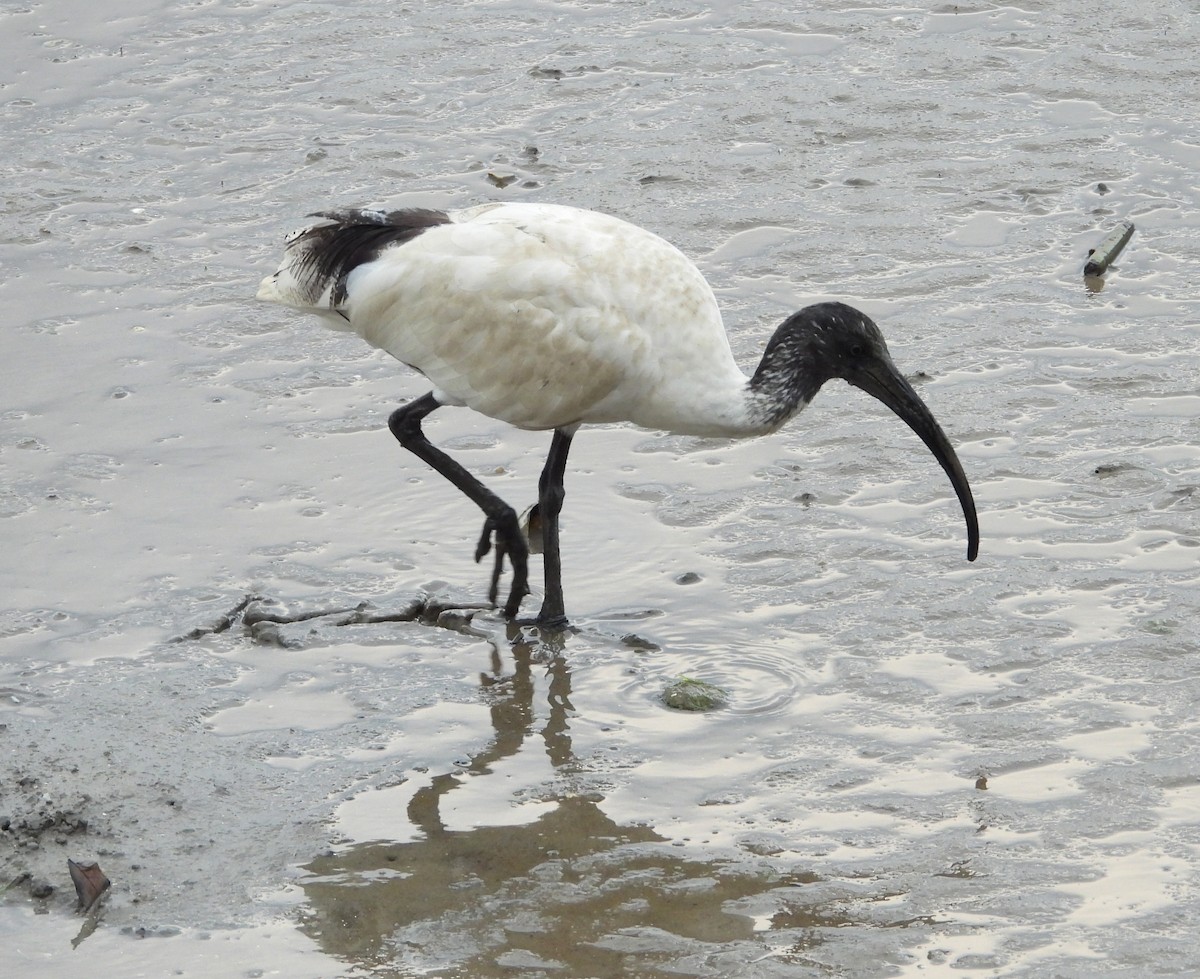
x,y
785,381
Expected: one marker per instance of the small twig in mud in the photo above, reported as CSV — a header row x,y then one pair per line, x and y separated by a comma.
x,y
1104,254
262,618
220,624
253,616
455,617
432,611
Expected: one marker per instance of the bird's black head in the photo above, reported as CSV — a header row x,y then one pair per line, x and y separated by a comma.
x,y
829,340
836,340
815,345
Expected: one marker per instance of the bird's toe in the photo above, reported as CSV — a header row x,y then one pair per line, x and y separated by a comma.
x,y
485,540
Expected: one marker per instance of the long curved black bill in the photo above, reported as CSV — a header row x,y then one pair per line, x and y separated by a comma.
x,y
884,382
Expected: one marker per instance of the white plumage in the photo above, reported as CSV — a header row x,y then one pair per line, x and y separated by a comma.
x,y
550,317
546,316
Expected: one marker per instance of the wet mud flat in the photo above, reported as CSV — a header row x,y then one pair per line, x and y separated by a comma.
x,y
923,767
446,804
195,805
194,808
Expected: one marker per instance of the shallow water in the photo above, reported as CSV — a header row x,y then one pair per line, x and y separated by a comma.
x,y
926,766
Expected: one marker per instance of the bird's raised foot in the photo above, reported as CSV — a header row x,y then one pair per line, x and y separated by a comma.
x,y
503,535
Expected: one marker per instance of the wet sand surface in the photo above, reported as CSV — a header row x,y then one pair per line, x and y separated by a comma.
x,y
925,767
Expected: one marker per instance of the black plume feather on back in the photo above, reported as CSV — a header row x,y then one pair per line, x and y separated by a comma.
x,y
328,253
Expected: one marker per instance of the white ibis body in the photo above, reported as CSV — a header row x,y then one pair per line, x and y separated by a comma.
x,y
550,317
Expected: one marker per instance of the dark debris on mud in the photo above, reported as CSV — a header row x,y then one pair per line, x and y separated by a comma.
x,y
265,619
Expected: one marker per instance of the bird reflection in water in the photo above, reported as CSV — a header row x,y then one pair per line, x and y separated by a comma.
x,y
565,891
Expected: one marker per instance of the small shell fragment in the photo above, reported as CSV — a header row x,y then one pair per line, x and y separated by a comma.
x,y
1104,254
531,528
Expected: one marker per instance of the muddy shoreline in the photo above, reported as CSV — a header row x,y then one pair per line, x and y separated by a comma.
x,y
921,766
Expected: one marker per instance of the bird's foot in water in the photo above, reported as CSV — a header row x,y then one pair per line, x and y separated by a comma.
x,y
504,537
548,622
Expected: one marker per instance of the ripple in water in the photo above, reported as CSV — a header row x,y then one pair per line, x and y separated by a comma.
x,y
760,681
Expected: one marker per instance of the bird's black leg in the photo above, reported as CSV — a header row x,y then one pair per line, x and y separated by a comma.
x,y
550,501
405,424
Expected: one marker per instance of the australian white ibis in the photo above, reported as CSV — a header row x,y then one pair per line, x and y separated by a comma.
x,y
550,317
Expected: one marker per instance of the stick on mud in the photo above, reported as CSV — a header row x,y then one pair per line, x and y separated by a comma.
x,y
1104,254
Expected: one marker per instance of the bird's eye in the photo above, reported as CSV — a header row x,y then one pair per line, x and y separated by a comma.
x,y
857,351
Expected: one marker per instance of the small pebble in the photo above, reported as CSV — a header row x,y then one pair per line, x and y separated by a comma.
x,y
686,693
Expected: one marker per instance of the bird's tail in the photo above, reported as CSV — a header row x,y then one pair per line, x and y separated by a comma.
x,y
318,259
